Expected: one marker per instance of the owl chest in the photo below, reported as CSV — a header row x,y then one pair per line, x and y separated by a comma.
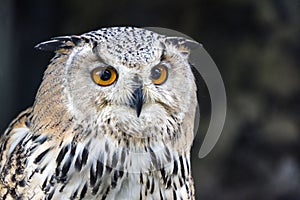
x,y
99,169
96,169
110,186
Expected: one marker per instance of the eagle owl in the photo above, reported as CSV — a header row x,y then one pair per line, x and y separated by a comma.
x,y
113,119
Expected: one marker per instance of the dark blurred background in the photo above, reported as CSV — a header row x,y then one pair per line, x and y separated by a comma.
x,y
255,44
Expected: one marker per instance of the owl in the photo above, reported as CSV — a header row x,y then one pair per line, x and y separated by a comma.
x,y
113,118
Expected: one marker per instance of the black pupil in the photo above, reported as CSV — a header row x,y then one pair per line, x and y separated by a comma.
x,y
155,73
105,75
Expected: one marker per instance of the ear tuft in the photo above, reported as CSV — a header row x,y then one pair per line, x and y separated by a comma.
x,y
59,43
185,46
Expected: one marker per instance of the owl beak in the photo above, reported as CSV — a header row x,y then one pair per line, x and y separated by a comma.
x,y
137,100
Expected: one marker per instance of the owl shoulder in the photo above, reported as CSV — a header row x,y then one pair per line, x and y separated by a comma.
x,y
16,131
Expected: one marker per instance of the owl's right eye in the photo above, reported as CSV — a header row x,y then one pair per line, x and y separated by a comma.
x,y
104,76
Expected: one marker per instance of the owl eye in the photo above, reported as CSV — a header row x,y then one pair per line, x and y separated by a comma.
x,y
159,74
104,76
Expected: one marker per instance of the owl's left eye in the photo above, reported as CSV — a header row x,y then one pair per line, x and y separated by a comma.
x,y
159,74
104,76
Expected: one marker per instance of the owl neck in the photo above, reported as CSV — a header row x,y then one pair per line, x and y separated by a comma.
x,y
49,109
136,154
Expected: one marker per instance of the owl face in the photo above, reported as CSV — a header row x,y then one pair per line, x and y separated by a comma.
x,y
133,76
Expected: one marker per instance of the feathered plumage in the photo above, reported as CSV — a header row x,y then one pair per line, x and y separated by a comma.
x,y
88,136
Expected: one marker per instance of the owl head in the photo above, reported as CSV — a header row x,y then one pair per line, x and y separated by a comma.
x,y
137,80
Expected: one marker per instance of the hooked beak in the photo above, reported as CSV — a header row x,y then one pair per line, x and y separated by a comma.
x,y
137,100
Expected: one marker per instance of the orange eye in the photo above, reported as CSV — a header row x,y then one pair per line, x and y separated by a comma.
x,y
159,74
104,76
